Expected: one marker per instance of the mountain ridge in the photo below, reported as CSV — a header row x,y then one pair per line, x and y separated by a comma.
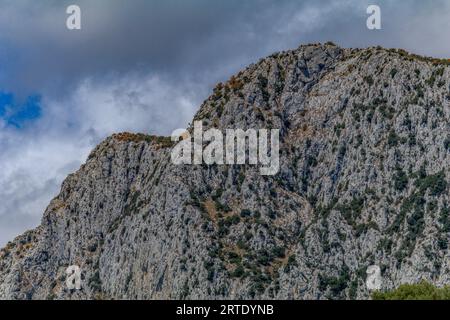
x,y
362,181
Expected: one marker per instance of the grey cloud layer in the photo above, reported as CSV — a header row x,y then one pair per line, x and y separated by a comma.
x,y
146,65
189,40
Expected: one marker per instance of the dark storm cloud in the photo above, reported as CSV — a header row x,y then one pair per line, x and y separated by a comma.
x,y
179,39
186,40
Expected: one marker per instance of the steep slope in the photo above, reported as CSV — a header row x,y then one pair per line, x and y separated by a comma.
x,y
364,152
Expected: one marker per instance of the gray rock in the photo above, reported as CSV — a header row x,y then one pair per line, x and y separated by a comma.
x,y
363,181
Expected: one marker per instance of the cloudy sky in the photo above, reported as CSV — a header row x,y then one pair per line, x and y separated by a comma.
x,y
146,65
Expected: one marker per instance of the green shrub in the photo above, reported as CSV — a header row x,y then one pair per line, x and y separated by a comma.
x,y
335,284
234,219
262,84
393,72
435,183
447,143
223,228
420,291
279,252
387,112
239,272
209,266
351,211
234,258
95,282
222,207
393,139
245,213
400,180
444,219
264,258
369,80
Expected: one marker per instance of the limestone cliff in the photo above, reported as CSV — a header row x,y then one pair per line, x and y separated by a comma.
x,y
364,158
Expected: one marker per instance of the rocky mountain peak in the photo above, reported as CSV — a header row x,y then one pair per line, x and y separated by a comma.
x,y
364,152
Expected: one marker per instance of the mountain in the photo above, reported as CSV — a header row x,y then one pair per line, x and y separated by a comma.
x,y
363,180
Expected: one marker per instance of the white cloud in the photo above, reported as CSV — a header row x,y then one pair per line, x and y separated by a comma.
x,y
132,103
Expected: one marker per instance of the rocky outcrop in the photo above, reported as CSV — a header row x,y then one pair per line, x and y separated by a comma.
x,y
364,152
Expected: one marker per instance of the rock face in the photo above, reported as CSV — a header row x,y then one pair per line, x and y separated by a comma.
x,y
364,152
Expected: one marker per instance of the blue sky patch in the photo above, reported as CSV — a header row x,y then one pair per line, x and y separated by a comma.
x,y
16,114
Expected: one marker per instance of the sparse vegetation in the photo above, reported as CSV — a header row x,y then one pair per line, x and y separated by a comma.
x,y
400,180
421,291
163,142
